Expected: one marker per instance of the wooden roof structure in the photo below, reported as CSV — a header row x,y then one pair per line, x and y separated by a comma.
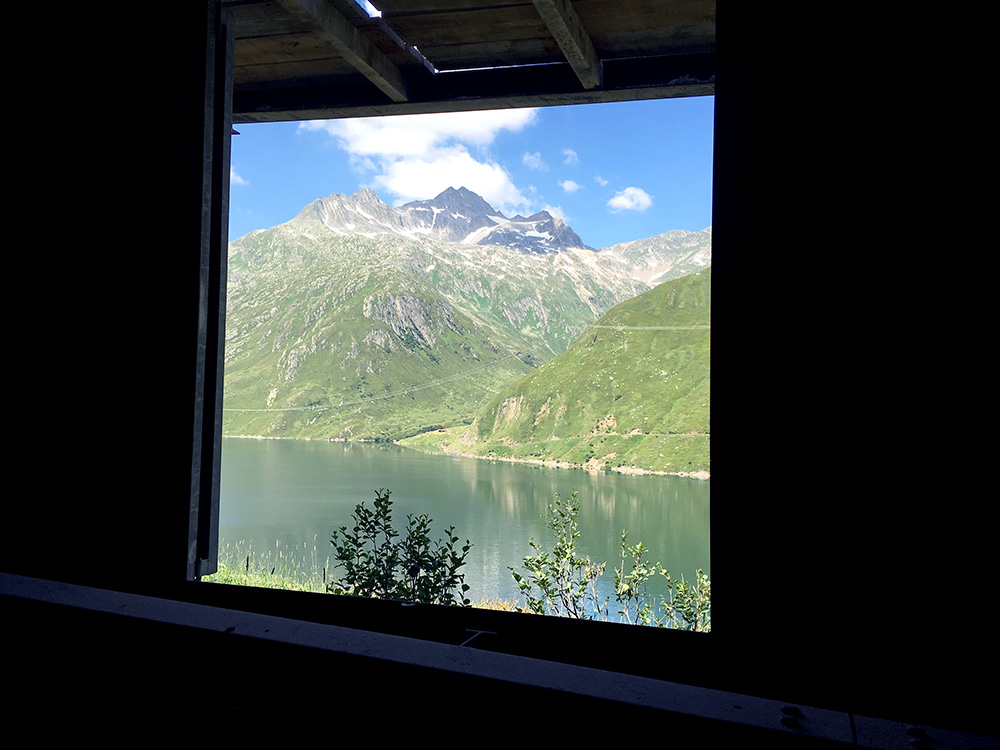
x,y
312,59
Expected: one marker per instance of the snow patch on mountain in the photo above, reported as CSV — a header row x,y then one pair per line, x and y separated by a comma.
x,y
456,215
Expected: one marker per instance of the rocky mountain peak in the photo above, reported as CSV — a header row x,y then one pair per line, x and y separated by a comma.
x,y
461,200
366,196
454,215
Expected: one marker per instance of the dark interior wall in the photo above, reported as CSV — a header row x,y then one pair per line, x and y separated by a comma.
x,y
839,366
873,598
106,166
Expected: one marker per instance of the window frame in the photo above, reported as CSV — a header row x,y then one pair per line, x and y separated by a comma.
x,y
557,639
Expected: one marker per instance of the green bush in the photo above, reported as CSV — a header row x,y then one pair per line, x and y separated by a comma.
x,y
688,606
562,583
377,562
566,584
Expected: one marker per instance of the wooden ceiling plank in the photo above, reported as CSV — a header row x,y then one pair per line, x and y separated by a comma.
x,y
573,40
393,8
460,27
496,88
352,45
535,51
279,49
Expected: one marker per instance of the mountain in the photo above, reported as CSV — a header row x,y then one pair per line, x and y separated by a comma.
x,y
663,257
456,215
632,391
356,320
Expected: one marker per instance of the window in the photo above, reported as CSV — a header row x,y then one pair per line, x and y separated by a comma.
x,y
266,90
352,316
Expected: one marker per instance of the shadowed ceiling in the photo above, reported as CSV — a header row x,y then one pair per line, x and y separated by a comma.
x,y
308,59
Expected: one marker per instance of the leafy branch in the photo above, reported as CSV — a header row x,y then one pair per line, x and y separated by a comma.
x,y
562,583
566,583
377,562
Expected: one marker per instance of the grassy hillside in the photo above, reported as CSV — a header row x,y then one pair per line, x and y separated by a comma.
x,y
355,350
355,337
632,392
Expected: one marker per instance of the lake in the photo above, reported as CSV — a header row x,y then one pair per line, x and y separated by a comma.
x,y
289,496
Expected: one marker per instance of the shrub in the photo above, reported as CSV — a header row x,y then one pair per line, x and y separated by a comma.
x,y
566,584
378,563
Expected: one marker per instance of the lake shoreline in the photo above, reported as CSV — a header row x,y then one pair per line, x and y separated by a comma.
x,y
626,470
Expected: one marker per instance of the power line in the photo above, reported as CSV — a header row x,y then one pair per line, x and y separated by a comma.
x,y
466,373
656,328
402,392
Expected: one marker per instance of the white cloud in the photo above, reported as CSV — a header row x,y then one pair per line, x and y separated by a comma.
x,y
630,199
416,135
570,156
417,178
534,161
600,181
415,157
569,186
235,179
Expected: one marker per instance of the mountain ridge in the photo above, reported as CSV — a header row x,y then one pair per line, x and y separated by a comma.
x,y
455,215
631,394
351,321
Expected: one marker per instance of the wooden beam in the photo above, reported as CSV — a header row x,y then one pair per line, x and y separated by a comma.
x,y
334,28
661,77
573,40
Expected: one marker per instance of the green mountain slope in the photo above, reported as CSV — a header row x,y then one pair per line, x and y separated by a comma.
x,y
632,392
335,336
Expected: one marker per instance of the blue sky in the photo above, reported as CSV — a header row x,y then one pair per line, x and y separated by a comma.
x,y
614,172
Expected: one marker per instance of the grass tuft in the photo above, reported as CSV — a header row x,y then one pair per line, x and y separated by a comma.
x,y
298,568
